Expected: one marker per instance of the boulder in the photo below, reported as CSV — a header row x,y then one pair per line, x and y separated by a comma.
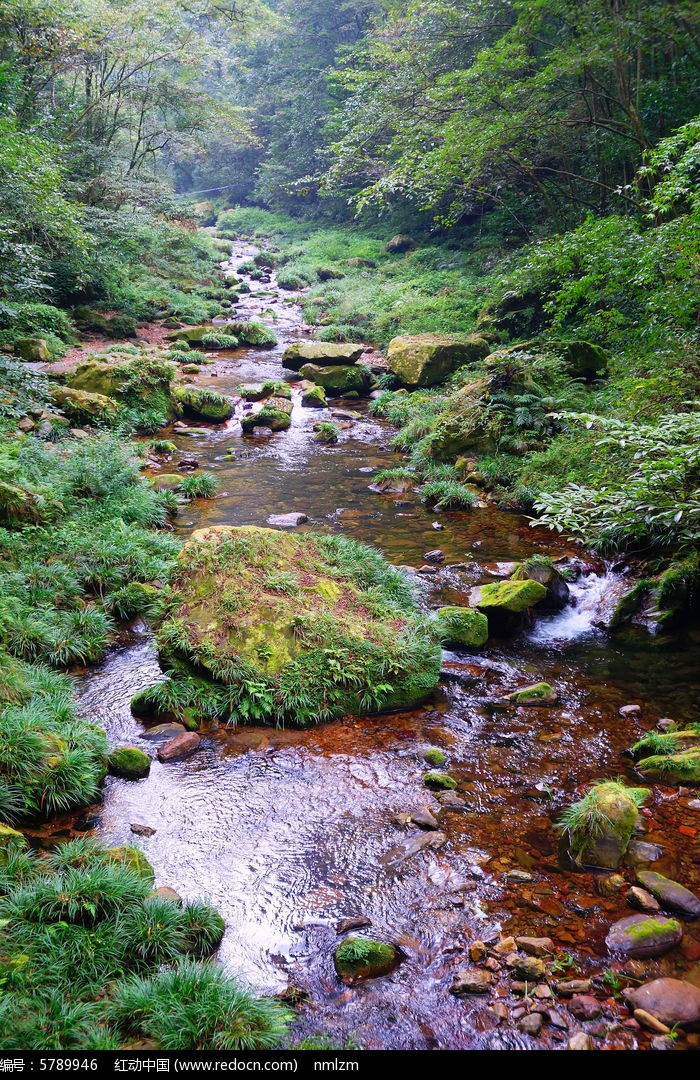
x,y
672,1001
540,693
680,768
600,826
163,733
584,359
81,406
166,481
540,568
462,627
193,334
434,756
130,763
275,607
313,397
179,747
276,414
510,596
203,404
439,780
140,380
251,392
253,334
134,859
339,380
642,900
32,348
669,893
535,946
421,360
324,353
11,841
358,958
643,936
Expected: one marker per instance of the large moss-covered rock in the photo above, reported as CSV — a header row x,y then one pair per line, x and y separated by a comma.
x,y
599,827
203,404
540,568
362,958
139,381
134,859
313,397
339,380
275,414
427,359
584,359
254,334
680,768
11,841
32,348
81,406
300,627
129,762
512,596
463,627
325,353
193,335
643,936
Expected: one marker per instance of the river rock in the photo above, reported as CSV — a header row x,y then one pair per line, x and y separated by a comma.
x,y
275,415
324,353
434,756
411,846
422,360
350,603
424,819
164,892
531,1024
471,981
540,568
251,391
287,521
359,958
462,627
566,988
339,380
585,1007
672,1001
179,747
535,946
630,710
529,968
510,596
133,858
203,404
540,693
162,733
439,780
142,830
81,406
643,936
669,893
129,762
478,951
450,799
352,922
642,900
580,1041
313,397
254,334
616,812
680,768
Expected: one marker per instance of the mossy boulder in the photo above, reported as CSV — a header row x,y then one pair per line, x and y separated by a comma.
x,y
598,828
671,894
275,414
193,335
642,937
358,958
514,597
130,763
301,627
540,568
399,244
464,426
339,380
540,693
167,481
32,348
140,380
81,406
463,627
434,756
681,768
134,859
325,353
313,397
584,359
420,360
254,334
203,404
251,391
439,781
10,841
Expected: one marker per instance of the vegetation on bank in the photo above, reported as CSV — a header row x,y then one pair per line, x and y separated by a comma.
x,y
91,959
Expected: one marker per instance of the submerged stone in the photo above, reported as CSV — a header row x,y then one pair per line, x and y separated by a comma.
x,y
540,693
420,360
439,780
670,893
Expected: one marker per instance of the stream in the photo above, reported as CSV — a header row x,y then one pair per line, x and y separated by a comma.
x,y
286,832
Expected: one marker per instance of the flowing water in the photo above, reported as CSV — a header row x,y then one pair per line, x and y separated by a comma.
x,y
288,831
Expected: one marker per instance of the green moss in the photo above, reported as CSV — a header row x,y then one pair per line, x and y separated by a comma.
x,y
434,756
513,596
439,780
339,379
678,768
463,627
314,397
651,928
129,763
204,404
359,957
540,693
275,414
133,859
607,813
254,334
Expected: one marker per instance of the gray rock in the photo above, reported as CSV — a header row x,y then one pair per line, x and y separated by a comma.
x,y
142,830
569,987
669,893
517,877
630,710
352,922
287,521
424,819
641,851
449,799
642,900
471,982
662,1042
179,747
672,1001
535,946
643,936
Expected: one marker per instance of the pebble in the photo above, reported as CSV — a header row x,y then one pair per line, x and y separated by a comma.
x,y
517,877
449,799
504,946
471,982
609,884
557,1020
142,830
500,1010
661,1042
672,1001
492,964
477,951
426,569
529,968
535,946
287,521
630,710
580,1041
352,922
585,1007
543,992
642,900
531,1025
569,987
435,555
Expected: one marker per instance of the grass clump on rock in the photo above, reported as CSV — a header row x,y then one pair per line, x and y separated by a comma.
x,y
89,958
363,958
343,636
598,828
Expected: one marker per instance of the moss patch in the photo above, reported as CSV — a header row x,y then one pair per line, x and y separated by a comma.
x,y
513,596
130,763
439,781
463,627
362,958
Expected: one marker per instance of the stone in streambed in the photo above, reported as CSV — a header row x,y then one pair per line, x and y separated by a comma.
x,y
642,900
203,404
471,981
439,780
585,1007
325,353
81,406
129,762
463,627
424,819
510,596
541,569
163,733
276,414
287,521
142,830
179,747
672,1001
352,922
313,397
251,392
680,768
531,1024
339,380
615,811
643,936
529,968
434,756
420,360
358,958
540,693
166,481
670,894
580,1041
535,946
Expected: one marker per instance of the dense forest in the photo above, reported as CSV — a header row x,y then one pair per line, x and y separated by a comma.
x,y
500,200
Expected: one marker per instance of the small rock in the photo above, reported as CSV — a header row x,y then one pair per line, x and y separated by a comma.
x,y
535,946
163,732
661,1042
670,894
179,747
164,892
427,569
532,1024
643,936
650,1022
529,968
471,982
580,1041
504,946
450,799
401,819
543,992
188,463
665,724
287,521
672,1001
434,556
352,922
630,710
609,884
557,1020
500,1011
424,819
142,830
641,899
569,987
585,1007
641,851
516,877
477,951
492,964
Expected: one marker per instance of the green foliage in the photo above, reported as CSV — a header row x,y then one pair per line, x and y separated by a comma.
x,y
585,822
448,495
200,485
326,432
